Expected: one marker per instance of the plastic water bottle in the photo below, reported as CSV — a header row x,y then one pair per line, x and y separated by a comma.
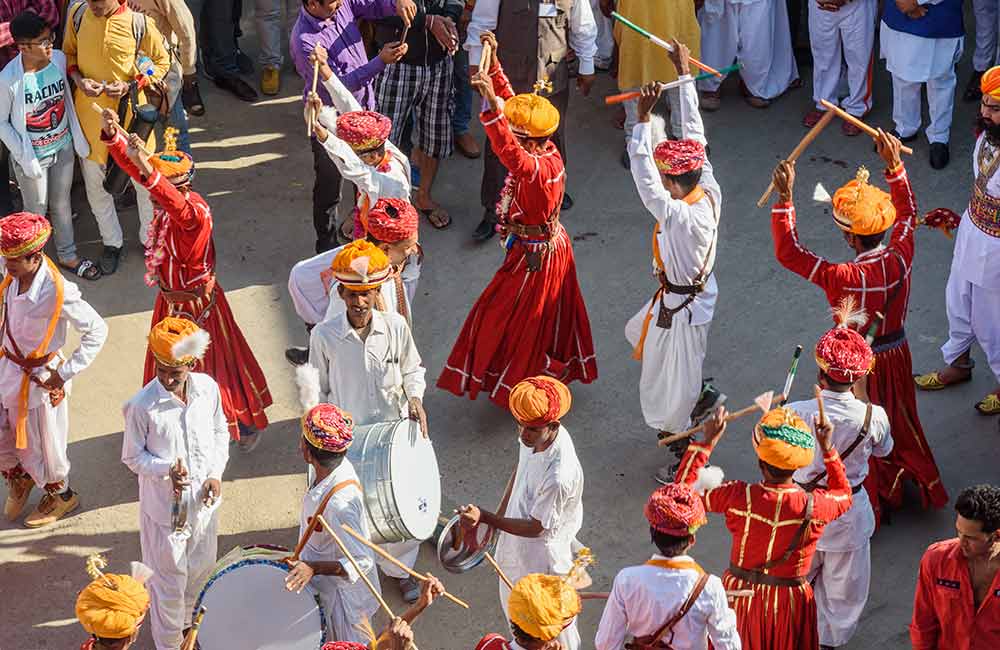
x,y
144,64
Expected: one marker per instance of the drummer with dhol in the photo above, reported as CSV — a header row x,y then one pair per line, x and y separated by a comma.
x,y
369,365
327,432
543,512
177,442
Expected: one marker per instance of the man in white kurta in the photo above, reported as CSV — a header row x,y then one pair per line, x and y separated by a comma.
x,y
841,569
842,32
546,496
972,295
684,237
755,34
30,290
180,419
369,366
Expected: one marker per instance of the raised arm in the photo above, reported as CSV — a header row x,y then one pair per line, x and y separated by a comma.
x,y
835,500
906,212
343,100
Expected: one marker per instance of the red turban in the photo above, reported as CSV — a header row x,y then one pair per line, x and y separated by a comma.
x,y
328,428
675,509
676,157
343,645
990,82
363,130
392,220
844,355
23,233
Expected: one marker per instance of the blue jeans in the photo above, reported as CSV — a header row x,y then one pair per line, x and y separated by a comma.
x,y
213,22
463,94
178,119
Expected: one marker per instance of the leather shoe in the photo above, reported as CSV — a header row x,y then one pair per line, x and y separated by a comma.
x,y
238,87
909,138
297,356
567,202
940,155
467,145
972,90
485,230
191,98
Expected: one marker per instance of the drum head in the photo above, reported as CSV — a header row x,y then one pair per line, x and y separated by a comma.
x,y
416,482
247,607
460,550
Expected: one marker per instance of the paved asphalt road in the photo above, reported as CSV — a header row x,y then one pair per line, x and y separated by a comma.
x,y
255,169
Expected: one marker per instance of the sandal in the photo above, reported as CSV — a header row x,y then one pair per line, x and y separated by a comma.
x,y
84,268
933,380
437,217
989,405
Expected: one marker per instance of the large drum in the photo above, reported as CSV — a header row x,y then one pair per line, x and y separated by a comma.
x,y
248,607
399,473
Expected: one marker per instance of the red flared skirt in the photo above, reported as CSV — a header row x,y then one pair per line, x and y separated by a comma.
x,y
891,386
774,618
229,360
524,324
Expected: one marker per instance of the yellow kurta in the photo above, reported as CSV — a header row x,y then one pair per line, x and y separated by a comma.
x,y
108,53
639,61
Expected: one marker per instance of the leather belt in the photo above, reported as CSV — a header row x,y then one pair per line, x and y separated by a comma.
x,y
805,486
682,289
196,293
524,231
758,578
888,341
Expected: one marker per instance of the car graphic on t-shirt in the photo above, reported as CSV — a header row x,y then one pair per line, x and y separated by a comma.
x,y
47,116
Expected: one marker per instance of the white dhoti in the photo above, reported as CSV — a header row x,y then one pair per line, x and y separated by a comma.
x,y
181,563
987,29
670,380
973,317
846,35
912,61
840,584
342,619
406,552
44,459
754,33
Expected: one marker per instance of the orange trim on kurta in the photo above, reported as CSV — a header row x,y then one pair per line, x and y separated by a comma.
x,y
670,563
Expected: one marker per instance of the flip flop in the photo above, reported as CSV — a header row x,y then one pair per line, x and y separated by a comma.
x,y
85,269
438,213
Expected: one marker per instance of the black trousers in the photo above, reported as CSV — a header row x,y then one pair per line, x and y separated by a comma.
x,y
326,196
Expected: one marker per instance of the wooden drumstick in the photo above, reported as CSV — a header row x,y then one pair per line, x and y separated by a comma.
x,y
496,567
797,151
192,634
819,403
743,412
386,556
354,563
120,128
847,117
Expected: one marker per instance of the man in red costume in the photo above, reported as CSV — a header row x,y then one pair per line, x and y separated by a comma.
x,y
180,260
775,525
878,282
530,319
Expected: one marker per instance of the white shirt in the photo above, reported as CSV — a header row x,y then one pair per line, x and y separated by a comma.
x,y
688,233
160,428
345,507
645,597
314,289
370,379
846,413
548,487
582,29
28,317
977,255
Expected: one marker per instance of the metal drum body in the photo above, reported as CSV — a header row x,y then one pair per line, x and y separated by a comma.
x,y
402,486
248,607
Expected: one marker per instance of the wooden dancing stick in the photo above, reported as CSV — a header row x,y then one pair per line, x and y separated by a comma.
x,y
354,563
739,593
635,94
386,556
496,567
819,403
743,412
659,42
847,117
797,151
120,128
192,635
594,595
312,116
486,57
790,377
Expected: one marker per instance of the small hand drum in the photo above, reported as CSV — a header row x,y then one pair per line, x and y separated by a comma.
x,y
460,549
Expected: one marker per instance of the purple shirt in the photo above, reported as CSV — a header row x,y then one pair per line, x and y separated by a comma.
x,y
341,37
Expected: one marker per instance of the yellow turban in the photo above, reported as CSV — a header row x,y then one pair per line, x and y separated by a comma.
x,y
783,439
990,82
361,265
531,115
863,209
173,163
177,341
539,401
112,612
542,605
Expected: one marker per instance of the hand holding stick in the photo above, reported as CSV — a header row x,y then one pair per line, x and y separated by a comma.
x,y
486,57
659,42
797,151
819,403
847,117
389,558
743,412
118,127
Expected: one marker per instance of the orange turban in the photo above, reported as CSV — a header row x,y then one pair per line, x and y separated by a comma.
x,y
543,605
783,439
177,341
863,209
990,82
531,115
175,165
112,606
539,401
361,265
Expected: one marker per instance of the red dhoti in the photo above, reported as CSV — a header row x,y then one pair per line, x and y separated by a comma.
x,y
524,324
229,360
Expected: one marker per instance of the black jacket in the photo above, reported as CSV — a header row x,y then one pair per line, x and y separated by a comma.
x,y
424,49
